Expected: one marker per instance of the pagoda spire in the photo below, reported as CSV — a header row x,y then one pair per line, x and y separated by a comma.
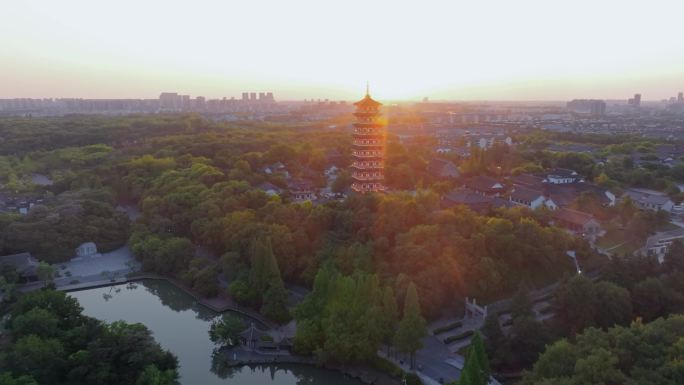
x,y
368,146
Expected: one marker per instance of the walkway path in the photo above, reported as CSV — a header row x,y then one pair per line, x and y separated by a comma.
x,y
433,362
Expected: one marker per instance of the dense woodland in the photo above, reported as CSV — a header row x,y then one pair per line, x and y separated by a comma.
x,y
378,265
52,342
631,292
196,183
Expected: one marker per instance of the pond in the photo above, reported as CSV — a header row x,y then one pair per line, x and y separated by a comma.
x,y
181,325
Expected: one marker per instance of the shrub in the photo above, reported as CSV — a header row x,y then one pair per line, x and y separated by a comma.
x,y
459,337
451,326
413,379
386,366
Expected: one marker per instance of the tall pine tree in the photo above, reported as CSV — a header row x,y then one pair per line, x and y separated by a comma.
x,y
266,283
390,314
478,351
412,327
476,368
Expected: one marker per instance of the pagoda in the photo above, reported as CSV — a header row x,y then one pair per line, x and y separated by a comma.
x,y
368,147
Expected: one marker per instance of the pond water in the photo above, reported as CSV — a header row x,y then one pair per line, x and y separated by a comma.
x,y
181,325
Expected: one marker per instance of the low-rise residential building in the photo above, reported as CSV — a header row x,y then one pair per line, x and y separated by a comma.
x,y
650,200
23,263
657,245
577,222
562,176
301,190
477,202
485,185
533,199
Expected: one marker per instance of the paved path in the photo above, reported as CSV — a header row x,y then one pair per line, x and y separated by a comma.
x,y
433,362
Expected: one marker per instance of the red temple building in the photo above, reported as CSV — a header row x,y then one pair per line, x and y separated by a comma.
x,y
368,147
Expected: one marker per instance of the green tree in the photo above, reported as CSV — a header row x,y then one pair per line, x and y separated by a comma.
x,y
496,344
521,306
42,358
614,305
265,281
558,360
390,315
226,330
412,327
650,299
7,379
528,339
46,273
637,354
574,302
274,303
352,322
153,376
599,367
472,373
64,307
37,321
478,351
263,266
674,258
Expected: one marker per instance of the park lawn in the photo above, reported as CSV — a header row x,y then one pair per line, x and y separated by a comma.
x,y
627,248
611,239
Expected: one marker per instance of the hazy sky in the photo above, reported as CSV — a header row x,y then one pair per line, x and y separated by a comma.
x,y
451,49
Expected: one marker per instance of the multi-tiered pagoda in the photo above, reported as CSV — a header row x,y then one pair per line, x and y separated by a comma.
x,y
368,150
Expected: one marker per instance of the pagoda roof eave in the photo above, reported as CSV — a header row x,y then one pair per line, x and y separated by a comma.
x,y
368,101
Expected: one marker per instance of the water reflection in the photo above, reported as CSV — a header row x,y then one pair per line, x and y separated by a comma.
x,y
181,325
301,374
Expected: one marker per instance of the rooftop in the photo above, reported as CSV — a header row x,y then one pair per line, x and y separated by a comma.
x,y
525,194
572,216
24,263
562,173
484,183
367,101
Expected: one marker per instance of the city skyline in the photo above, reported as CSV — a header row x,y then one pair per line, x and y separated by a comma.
x,y
500,51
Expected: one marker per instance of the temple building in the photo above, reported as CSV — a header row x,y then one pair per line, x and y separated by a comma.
x,y
368,147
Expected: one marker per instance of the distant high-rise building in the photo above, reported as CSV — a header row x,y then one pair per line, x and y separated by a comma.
x,y
169,101
185,102
262,96
637,100
269,96
587,106
680,97
252,96
245,96
368,147
200,103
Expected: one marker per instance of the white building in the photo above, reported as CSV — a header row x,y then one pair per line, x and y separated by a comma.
x,y
658,244
87,249
562,176
531,198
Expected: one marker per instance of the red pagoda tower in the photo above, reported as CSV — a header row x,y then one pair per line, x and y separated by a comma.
x,y
368,147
